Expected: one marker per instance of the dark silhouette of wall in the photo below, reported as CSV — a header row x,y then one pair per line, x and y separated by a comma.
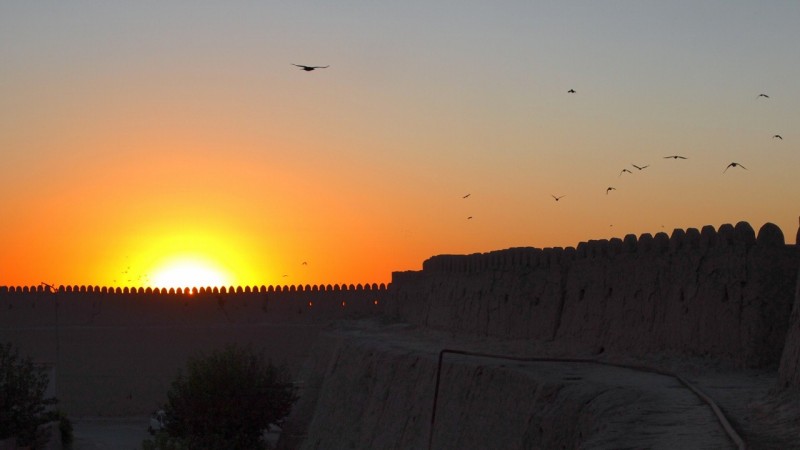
x,y
94,305
115,351
723,293
789,371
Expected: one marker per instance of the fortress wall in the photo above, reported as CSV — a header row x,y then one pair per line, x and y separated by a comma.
x,y
723,293
79,306
115,354
789,371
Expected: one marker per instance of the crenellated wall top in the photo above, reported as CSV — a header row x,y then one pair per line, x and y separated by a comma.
x,y
231,290
691,239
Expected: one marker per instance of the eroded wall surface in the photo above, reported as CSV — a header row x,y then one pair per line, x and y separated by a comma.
x,y
789,372
376,391
723,293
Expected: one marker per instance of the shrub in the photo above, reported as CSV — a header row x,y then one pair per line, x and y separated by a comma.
x,y
23,408
224,401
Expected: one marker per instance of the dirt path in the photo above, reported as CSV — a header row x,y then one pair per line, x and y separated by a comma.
x,y
623,407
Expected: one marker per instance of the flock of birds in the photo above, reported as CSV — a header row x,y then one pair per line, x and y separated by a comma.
x,y
732,165
676,157
642,167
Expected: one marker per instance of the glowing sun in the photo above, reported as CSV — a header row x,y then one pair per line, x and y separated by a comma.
x,y
189,273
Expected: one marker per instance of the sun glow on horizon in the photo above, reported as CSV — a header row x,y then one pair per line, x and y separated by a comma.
x,y
189,272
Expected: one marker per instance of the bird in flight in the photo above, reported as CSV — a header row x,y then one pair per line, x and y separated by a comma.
x,y
623,171
763,95
310,68
777,136
469,218
571,91
610,189
558,198
734,164
675,157
305,263
466,196
642,167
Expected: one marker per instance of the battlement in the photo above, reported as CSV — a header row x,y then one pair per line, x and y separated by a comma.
x,y
195,290
741,236
38,306
721,291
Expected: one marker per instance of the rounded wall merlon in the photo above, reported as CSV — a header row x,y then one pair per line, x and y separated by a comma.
x,y
677,240
661,242
630,243
556,256
691,240
744,233
770,235
725,235
708,237
582,251
529,256
616,246
645,243
590,249
520,257
599,248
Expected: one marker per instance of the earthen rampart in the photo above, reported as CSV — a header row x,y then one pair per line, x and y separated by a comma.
x,y
723,292
789,371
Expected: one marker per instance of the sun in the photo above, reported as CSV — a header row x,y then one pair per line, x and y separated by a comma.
x,y
189,272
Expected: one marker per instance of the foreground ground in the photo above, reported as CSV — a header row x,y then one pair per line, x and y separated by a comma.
x,y
613,407
764,417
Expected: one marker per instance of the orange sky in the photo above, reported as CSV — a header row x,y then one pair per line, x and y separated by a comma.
x,y
135,135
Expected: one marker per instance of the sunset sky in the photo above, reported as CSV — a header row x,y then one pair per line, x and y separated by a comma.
x,y
139,138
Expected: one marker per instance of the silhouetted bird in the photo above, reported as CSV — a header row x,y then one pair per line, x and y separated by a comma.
x,y
610,189
469,218
640,168
466,196
558,198
623,171
310,68
763,95
734,164
777,136
571,91
305,263
675,157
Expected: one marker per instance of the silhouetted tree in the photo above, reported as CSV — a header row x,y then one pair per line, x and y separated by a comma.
x,y
23,407
225,401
